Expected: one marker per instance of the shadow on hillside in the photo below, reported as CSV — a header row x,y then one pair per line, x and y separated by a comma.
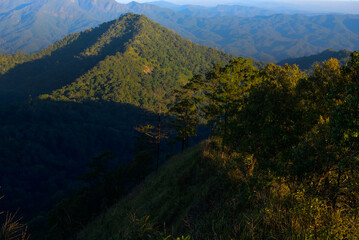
x,y
59,64
46,146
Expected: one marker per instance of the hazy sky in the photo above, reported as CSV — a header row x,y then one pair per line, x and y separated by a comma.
x,y
206,2
345,6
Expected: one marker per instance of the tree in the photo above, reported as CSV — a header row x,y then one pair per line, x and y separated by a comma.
x,y
268,121
218,94
186,115
157,133
98,167
344,129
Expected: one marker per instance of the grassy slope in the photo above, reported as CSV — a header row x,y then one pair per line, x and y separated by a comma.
x,y
169,196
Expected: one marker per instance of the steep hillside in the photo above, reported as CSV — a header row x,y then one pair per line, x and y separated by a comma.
x,y
282,162
98,84
130,60
153,62
48,145
179,192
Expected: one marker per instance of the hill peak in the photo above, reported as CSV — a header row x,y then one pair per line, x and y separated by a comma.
x,y
129,60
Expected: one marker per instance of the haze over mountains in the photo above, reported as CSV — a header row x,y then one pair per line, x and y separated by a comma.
x,y
279,6
216,11
241,31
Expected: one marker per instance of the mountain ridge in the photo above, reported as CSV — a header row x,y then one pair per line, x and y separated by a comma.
x,y
100,85
105,53
308,63
269,38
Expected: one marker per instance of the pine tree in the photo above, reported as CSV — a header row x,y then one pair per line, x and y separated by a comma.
x,y
186,115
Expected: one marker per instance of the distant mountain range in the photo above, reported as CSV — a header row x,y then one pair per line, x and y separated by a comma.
x,y
287,7
242,31
217,11
304,7
308,63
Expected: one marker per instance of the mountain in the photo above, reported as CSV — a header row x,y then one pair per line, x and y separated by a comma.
x,y
308,63
227,10
277,37
131,60
99,84
271,38
217,11
32,25
303,7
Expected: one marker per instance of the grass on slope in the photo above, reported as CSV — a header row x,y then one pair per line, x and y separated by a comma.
x,y
168,196
198,193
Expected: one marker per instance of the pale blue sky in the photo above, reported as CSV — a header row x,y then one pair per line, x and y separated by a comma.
x,y
205,2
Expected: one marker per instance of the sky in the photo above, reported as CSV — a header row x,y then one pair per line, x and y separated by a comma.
x,y
216,2
343,6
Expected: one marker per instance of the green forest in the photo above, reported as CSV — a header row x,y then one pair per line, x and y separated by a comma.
x,y
128,131
280,163
129,60
82,96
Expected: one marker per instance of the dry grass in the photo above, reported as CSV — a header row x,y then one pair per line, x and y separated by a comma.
x,y
12,228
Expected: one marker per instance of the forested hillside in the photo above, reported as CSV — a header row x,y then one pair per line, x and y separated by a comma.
x,y
282,162
98,84
47,145
153,62
131,60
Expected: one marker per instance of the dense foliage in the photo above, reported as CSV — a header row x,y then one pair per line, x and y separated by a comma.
x,y
154,61
48,145
131,60
102,76
291,132
282,161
